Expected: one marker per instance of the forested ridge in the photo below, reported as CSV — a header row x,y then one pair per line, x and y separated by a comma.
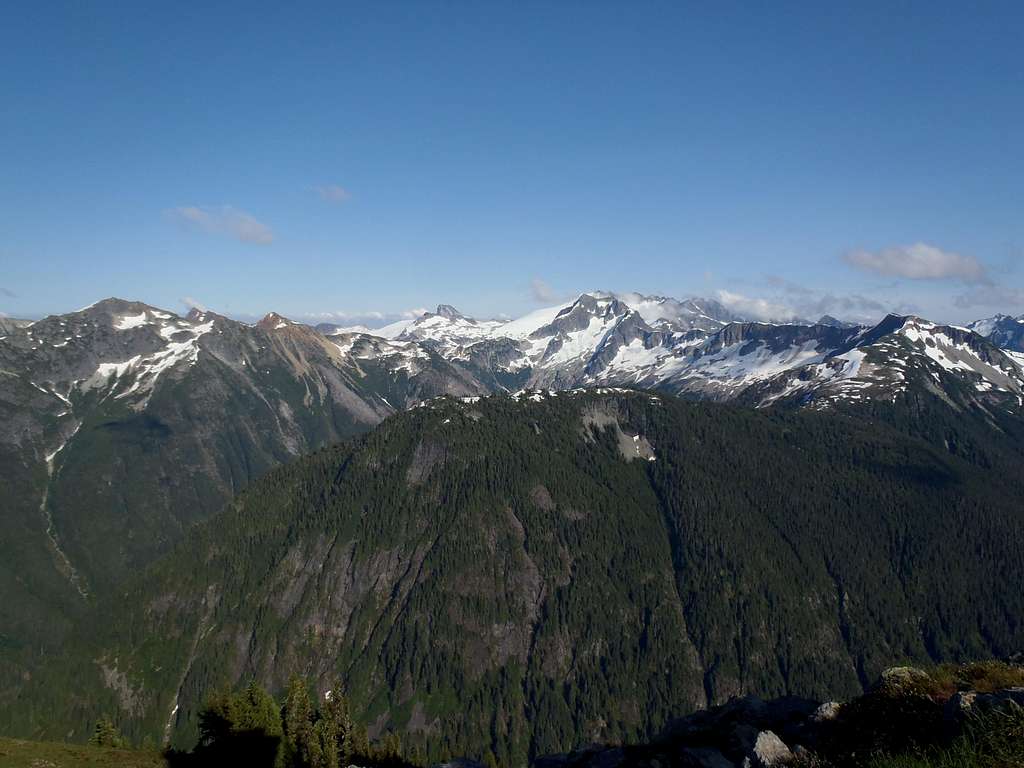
x,y
516,577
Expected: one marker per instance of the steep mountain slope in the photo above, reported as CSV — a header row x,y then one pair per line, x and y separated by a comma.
x,y
523,574
723,365
121,425
900,356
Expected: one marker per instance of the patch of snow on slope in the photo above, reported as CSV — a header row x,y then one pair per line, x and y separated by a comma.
x,y
449,333
732,365
356,329
147,369
527,324
131,321
392,330
107,371
345,346
634,359
952,356
51,456
577,344
854,359
1016,357
409,361
168,331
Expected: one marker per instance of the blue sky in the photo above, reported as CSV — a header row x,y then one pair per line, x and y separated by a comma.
x,y
344,159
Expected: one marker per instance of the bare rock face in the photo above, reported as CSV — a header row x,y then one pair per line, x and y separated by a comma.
x,y
965,704
897,680
826,712
768,750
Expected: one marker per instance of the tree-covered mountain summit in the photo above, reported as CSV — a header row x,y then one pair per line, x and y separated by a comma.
x,y
520,575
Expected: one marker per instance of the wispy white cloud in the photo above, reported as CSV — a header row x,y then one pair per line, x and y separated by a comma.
x,y
543,293
333,193
755,308
919,261
224,220
991,296
191,303
342,316
369,319
811,303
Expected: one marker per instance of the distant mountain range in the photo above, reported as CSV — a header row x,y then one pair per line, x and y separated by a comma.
x,y
227,400
122,425
699,348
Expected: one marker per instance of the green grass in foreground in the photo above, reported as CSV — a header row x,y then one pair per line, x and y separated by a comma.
x,y
993,741
15,753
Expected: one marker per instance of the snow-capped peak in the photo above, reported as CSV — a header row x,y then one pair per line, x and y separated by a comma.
x,y
701,313
1004,331
986,325
881,362
449,312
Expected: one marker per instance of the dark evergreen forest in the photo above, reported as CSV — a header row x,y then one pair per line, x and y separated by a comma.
x,y
503,579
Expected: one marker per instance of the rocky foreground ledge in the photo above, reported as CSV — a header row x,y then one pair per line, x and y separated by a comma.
x,y
910,712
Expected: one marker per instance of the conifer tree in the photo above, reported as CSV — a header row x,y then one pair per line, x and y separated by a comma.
x,y
391,747
105,734
244,728
326,754
255,710
300,744
337,714
359,743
